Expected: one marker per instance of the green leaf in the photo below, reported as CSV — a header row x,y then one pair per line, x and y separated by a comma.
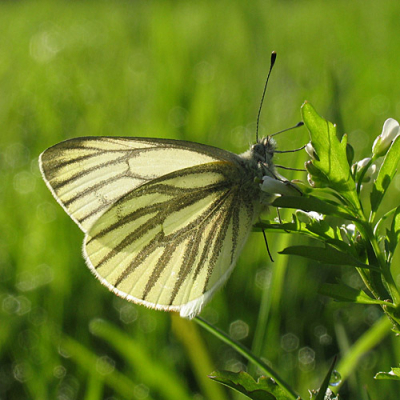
x,y
332,154
350,154
263,389
326,255
394,233
323,230
342,292
318,178
312,203
385,174
394,374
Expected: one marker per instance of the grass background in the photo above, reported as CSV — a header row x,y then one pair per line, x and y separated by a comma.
x,y
195,71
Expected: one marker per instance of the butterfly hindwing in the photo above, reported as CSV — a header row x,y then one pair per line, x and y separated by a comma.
x,y
171,242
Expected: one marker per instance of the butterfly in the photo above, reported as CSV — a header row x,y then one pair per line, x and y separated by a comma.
x,y
164,220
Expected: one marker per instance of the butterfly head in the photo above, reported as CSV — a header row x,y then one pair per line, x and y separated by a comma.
x,y
263,151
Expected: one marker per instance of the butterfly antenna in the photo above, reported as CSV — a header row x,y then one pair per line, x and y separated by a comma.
x,y
290,168
266,243
291,151
273,58
288,129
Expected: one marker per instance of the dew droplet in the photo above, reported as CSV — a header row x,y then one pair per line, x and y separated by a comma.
x,y
336,378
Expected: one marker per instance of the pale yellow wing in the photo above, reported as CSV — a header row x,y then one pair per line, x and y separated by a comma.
x,y
87,175
170,243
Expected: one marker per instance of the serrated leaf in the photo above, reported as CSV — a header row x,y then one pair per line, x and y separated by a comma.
x,y
342,292
385,175
326,255
263,389
332,154
394,374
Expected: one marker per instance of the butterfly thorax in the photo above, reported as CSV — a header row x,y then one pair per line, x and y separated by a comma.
x,y
259,158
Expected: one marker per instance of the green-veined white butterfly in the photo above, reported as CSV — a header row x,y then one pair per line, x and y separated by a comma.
x,y
164,220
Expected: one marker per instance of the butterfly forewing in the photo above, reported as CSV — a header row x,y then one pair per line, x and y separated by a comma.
x,y
87,175
171,242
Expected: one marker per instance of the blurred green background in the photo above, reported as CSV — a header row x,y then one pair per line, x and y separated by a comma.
x,y
192,70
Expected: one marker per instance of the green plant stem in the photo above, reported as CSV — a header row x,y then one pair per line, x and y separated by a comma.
x,y
384,268
369,278
367,232
367,282
245,352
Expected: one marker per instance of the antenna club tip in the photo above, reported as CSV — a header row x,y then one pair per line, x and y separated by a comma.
x,y
273,57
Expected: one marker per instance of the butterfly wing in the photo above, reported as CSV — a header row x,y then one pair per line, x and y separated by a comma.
x,y
171,242
87,175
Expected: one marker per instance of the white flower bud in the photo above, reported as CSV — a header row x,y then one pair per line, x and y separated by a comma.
x,y
363,163
360,165
348,233
382,143
308,217
311,151
275,186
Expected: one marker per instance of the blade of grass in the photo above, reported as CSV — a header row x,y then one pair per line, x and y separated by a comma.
x,y
94,388
271,299
198,353
117,381
245,352
366,342
151,372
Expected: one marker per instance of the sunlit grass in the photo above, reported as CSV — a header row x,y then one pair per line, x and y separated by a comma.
x,y
195,71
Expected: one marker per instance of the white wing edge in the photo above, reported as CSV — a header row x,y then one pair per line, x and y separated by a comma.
x,y
188,310
55,195
194,307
